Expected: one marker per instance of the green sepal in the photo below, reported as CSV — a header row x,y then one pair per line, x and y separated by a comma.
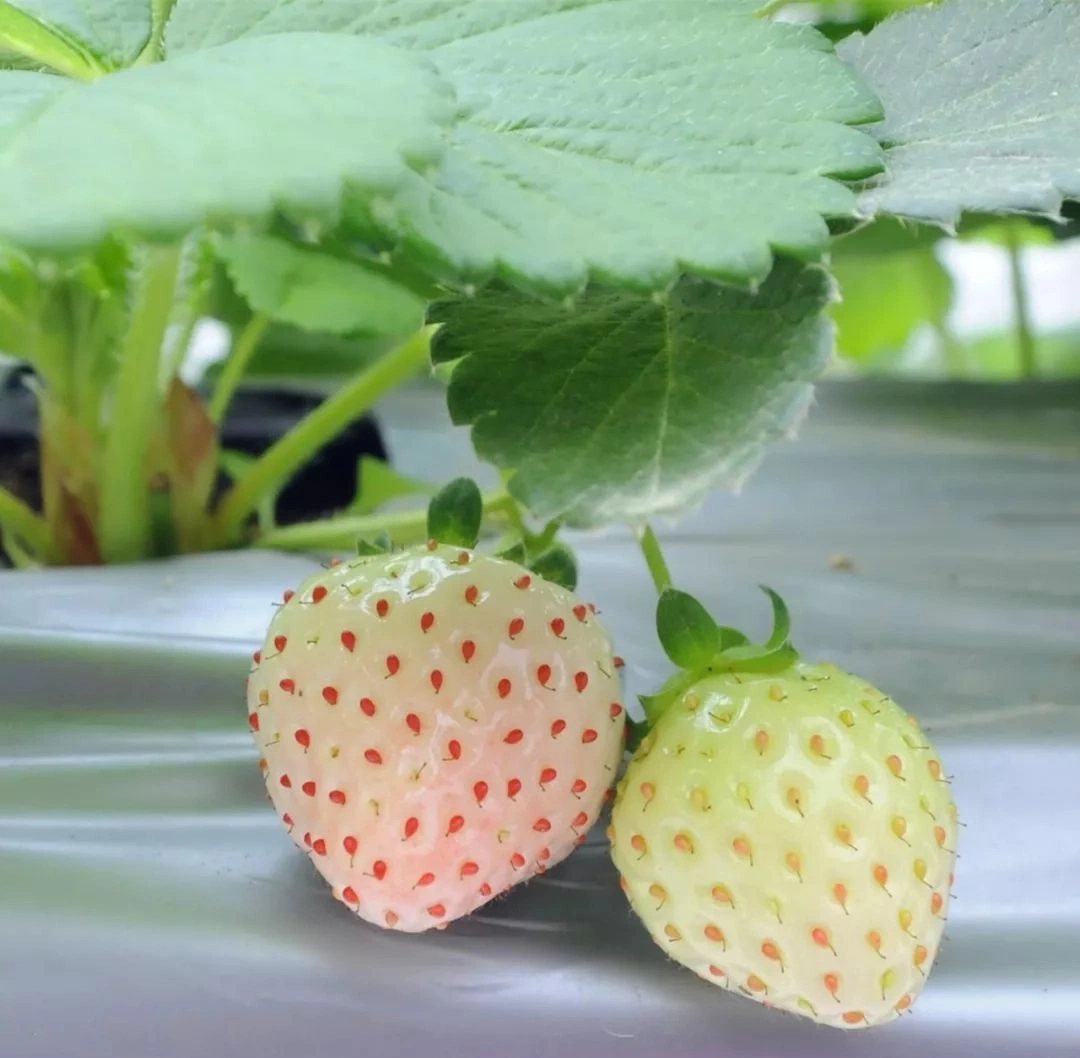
x,y
557,565
731,637
514,553
455,514
370,547
688,634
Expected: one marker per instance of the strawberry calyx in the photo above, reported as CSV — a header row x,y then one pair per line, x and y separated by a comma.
x,y
455,517
700,647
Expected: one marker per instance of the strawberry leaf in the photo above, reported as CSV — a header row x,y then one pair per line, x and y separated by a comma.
x,y
316,291
599,136
236,132
623,406
455,514
982,105
687,631
112,32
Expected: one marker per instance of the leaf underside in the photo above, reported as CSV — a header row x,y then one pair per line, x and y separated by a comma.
x,y
233,132
982,99
623,141
628,406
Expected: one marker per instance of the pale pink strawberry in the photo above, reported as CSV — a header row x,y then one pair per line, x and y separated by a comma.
x,y
435,727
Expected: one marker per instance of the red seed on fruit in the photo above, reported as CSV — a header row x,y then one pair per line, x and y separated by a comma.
x,y
517,861
543,675
436,911
579,820
581,681
412,825
285,781
280,642
337,797
330,695
309,788
426,621
253,721
378,868
547,775
523,581
318,594
319,846
382,607
588,735
581,613
348,894
514,737
615,711
468,868
557,728
393,663
412,722
425,879
485,889
303,738
542,826
454,749
579,787
558,626
513,788
436,680
504,687
367,706
350,845
517,626
455,824
480,791
472,593
348,641
287,596
372,756
288,685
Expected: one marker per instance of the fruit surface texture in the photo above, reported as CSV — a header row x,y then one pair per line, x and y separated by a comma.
x,y
435,726
791,836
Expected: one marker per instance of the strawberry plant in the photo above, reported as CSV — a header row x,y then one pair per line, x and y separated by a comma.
x,y
610,227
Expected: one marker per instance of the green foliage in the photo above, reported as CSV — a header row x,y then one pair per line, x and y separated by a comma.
x,y
597,136
624,406
232,133
105,33
689,635
891,282
316,291
982,107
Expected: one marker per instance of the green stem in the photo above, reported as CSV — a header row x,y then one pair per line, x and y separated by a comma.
x,y
277,464
654,558
768,9
1025,339
342,532
154,50
41,44
243,348
124,531
26,527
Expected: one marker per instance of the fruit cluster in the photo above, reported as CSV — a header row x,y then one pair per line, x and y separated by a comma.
x,y
437,725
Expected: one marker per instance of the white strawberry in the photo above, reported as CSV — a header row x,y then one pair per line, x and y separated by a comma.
x,y
788,834
435,726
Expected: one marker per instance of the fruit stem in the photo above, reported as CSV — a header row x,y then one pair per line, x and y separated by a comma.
x,y
1025,340
654,558
124,531
23,526
33,40
236,363
315,430
342,532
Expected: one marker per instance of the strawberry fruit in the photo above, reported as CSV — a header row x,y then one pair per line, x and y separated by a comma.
x,y
435,725
785,829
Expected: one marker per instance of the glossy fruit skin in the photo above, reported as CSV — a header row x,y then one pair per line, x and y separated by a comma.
x,y
791,837
435,726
